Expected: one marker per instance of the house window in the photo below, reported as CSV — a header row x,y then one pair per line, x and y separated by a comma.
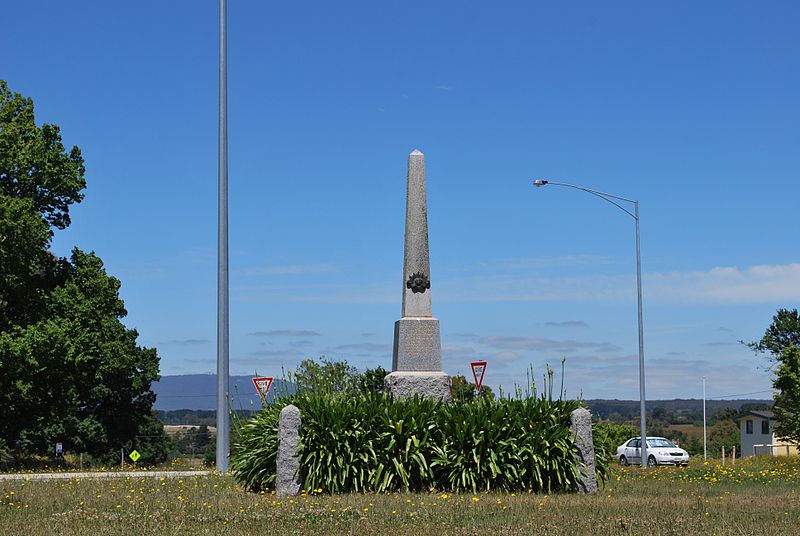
x,y
748,426
765,427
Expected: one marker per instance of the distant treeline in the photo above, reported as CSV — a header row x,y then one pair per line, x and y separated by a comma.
x,y
196,417
677,411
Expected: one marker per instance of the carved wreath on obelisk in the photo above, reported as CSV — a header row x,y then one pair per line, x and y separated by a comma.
x,y
418,282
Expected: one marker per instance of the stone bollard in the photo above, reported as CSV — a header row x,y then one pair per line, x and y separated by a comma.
x,y
287,479
581,428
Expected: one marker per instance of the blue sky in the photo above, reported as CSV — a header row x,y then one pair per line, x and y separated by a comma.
x,y
691,109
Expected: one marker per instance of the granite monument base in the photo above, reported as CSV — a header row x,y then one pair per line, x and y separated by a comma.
x,y
425,384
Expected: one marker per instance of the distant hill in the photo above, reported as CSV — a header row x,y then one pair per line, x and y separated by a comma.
x,y
199,392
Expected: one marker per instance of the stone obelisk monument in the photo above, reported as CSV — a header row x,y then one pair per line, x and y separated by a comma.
x,y
417,358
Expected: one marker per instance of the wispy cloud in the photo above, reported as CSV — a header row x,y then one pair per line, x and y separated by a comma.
x,y
568,324
754,284
300,344
443,87
721,343
285,333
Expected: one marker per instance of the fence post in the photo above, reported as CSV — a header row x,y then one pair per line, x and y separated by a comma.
x,y
733,458
723,455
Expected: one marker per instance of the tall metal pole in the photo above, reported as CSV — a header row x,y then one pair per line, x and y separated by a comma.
x,y
614,200
705,453
641,339
223,417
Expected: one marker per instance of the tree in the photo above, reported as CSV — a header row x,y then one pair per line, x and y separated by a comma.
x,y
724,433
463,391
787,399
372,380
33,162
336,376
783,332
69,368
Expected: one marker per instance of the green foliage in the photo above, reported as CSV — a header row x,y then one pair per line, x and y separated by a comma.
x,y
254,453
325,375
607,436
783,332
210,453
787,400
193,441
723,433
34,164
70,370
364,441
372,380
462,390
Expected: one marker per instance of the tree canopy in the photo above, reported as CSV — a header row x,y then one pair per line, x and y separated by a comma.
x,y
787,399
783,332
70,370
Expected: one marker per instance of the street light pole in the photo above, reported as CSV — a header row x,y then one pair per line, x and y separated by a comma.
x,y
705,453
223,418
613,199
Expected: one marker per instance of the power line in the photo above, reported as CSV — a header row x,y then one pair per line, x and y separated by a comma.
x,y
741,394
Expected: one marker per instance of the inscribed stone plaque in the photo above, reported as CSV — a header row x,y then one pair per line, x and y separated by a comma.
x,y
417,345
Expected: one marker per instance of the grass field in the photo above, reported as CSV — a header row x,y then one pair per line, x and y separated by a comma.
x,y
757,496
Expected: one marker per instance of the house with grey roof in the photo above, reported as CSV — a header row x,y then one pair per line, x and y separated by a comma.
x,y
757,435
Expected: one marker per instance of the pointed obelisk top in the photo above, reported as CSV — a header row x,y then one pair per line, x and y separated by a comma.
x,y
416,152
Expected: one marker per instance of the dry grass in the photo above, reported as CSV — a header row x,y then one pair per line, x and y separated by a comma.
x,y
755,497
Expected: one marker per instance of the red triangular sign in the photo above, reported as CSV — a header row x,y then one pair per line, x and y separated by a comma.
x,y
478,370
262,386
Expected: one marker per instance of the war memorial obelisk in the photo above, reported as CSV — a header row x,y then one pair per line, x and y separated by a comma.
x,y
417,356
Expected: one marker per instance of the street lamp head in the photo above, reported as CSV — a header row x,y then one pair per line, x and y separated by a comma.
x,y
539,182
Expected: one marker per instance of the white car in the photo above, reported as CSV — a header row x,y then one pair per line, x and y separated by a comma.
x,y
660,451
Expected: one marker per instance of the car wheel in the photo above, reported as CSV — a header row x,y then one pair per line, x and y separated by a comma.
x,y
623,461
651,461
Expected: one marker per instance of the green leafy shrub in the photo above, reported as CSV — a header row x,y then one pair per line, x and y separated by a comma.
x,y
607,436
254,448
365,441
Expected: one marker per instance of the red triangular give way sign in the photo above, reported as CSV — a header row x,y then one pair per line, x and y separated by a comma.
x,y
262,386
478,370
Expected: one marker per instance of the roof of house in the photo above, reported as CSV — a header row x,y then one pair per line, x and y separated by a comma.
x,y
762,413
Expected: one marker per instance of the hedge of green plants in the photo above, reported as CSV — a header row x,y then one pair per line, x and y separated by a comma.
x,y
368,442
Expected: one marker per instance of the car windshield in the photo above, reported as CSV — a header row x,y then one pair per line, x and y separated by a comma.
x,y
660,442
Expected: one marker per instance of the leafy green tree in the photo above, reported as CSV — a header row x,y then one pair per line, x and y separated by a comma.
x,y
69,369
372,380
787,399
463,391
335,376
783,332
724,433
34,164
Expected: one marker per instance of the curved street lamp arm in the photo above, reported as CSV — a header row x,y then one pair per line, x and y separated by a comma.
x,y
602,195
